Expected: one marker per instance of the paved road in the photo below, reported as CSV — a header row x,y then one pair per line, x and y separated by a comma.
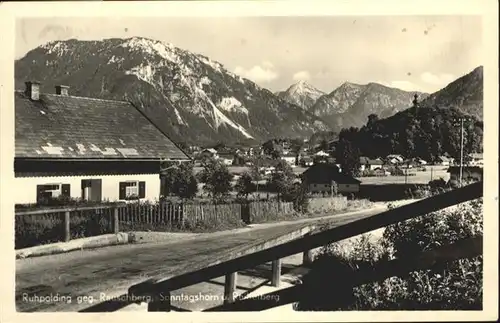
x,y
88,275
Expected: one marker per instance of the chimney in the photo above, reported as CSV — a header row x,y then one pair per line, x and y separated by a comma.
x,y
62,90
33,90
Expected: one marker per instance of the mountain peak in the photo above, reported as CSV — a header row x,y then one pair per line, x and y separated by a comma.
x,y
302,94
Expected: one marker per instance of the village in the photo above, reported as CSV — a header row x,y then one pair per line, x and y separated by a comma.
x,y
50,168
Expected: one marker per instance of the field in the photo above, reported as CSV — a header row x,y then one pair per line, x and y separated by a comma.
x,y
431,173
420,177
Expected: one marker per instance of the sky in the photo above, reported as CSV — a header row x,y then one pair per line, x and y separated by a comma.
x,y
414,53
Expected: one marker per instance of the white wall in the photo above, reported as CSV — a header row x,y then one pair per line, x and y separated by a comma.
x,y
341,188
317,188
348,188
25,187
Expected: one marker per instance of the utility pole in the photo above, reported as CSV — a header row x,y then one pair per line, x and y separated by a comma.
x,y
461,149
462,138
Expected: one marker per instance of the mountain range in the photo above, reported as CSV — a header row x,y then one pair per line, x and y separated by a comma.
x,y
465,94
197,100
350,104
187,95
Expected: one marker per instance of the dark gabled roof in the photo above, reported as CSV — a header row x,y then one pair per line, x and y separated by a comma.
x,y
325,173
59,126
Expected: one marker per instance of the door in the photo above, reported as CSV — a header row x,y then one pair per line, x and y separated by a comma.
x,y
92,190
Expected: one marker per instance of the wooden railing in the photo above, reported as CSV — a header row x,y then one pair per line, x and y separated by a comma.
x,y
157,290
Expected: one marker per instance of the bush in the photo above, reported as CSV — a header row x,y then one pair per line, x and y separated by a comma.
x,y
453,286
32,230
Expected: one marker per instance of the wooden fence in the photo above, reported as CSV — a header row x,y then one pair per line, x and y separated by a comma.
x,y
157,290
64,224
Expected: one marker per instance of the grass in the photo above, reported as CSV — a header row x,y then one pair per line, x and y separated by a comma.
x,y
42,229
454,286
420,177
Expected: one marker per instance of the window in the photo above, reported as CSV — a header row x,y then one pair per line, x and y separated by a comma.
x,y
46,192
132,190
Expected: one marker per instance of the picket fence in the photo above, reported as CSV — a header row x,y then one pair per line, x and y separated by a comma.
x,y
64,224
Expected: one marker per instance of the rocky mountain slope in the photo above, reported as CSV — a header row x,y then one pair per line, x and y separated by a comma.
x,y
465,94
302,94
351,104
190,97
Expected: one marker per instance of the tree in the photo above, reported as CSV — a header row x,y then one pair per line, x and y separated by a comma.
x,y
282,178
258,162
296,147
348,157
273,149
217,179
244,185
180,181
185,185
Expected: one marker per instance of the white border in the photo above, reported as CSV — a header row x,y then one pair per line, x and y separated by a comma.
x,y
488,9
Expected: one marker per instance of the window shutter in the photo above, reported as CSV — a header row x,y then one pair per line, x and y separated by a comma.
x,y
122,193
65,190
39,192
142,190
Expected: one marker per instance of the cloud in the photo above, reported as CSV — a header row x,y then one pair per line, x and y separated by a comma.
x,y
301,76
265,72
402,85
437,79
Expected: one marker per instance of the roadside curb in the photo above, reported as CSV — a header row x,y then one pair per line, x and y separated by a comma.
x,y
76,244
134,238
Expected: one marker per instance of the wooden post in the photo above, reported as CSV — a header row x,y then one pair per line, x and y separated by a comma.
x,y
307,257
67,232
230,287
160,303
116,220
276,274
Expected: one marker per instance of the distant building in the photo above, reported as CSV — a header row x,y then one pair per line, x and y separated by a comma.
x,y
290,159
394,159
369,164
306,161
85,148
209,153
319,178
476,159
443,160
226,158
322,153
469,174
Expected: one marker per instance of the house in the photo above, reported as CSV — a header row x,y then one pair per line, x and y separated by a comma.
x,y
209,153
443,160
381,172
469,174
395,159
290,159
85,148
476,159
420,161
322,153
369,164
320,177
306,161
226,158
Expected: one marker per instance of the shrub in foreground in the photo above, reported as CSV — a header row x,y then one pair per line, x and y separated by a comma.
x,y
453,286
